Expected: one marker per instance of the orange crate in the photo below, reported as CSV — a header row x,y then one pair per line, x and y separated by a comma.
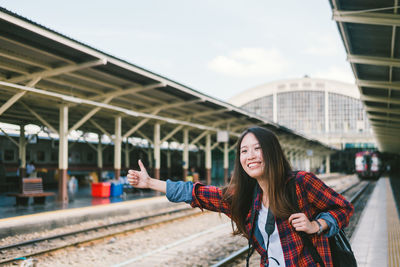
x,y
101,189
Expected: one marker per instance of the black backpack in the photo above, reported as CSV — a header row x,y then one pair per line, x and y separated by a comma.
x,y
342,255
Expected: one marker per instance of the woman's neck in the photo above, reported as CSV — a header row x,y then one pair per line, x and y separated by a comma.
x,y
264,187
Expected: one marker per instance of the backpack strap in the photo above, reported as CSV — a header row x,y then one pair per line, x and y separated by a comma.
x,y
291,185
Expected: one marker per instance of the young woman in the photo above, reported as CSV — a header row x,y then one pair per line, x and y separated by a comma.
x,y
259,205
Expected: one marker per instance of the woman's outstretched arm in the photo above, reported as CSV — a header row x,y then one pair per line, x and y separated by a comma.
x,y
141,179
198,195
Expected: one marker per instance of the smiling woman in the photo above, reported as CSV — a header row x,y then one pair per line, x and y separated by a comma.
x,y
258,201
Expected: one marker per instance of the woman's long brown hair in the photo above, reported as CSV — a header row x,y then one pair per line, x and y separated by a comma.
x,y
239,192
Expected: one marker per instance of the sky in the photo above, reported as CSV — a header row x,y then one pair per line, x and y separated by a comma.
x,y
217,47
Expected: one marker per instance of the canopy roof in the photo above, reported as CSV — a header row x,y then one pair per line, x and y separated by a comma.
x,y
41,69
371,35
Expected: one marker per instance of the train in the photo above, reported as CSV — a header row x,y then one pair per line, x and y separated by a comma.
x,y
82,160
368,164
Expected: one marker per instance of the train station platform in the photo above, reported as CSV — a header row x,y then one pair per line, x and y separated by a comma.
x,y
376,240
82,198
48,220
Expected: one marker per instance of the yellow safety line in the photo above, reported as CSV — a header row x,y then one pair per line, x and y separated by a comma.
x,y
393,226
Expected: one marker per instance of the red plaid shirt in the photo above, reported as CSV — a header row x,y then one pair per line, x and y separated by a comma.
x,y
313,196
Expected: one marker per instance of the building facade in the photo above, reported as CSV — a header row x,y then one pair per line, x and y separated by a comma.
x,y
326,110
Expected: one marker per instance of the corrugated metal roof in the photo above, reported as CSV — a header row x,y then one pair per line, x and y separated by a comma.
x,y
371,36
41,69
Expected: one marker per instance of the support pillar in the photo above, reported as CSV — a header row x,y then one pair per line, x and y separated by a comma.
x,y
226,163
208,159
117,147
275,107
294,160
307,162
169,162
157,153
99,157
63,155
326,102
127,154
150,156
198,158
328,163
185,154
22,153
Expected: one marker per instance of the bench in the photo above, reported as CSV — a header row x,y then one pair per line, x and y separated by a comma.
x,y
31,187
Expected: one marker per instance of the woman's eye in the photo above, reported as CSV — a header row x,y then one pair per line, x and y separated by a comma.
x,y
243,151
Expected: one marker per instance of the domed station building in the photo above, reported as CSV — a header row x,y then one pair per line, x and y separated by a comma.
x,y
326,110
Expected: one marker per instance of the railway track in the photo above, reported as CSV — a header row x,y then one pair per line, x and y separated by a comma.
x,y
103,234
39,246
352,193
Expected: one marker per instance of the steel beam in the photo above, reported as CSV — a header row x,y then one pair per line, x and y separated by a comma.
x,y
11,101
378,84
58,71
131,90
379,99
385,19
174,131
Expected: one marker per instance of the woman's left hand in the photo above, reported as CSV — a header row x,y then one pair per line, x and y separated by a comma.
x,y
300,222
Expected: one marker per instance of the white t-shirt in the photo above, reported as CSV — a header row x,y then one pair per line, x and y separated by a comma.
x,y
275,247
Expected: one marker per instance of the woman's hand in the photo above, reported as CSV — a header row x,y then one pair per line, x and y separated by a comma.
x,y
139,179
300,222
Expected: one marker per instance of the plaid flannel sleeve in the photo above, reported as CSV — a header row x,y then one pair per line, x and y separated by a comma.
x,y
209,198
325,199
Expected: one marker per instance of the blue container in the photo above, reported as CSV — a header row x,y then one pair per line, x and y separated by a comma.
x,y
116,190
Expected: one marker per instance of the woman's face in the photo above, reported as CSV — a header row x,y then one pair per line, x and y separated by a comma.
x,y
251,156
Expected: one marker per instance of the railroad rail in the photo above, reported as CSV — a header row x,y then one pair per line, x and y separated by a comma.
x,y
51,243
47,244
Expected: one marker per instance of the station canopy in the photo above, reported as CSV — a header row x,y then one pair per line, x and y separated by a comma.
x,y
41,69
371,35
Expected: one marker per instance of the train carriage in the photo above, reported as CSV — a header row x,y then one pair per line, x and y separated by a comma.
x,y
368,165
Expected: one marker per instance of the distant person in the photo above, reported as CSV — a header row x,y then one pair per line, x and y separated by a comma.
x,y
30,169
189,177
194,174
72,188
259,188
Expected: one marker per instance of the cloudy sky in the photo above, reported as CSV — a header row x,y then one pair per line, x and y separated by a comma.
x,y
217,47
